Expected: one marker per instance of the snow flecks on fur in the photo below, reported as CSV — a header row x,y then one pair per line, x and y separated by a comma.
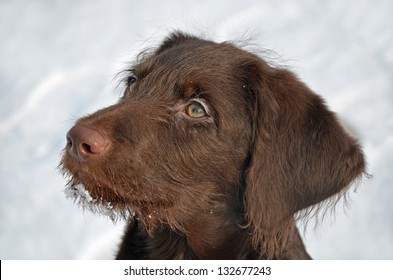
x,y
82,197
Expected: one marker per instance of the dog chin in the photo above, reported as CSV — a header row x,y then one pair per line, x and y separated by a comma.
x,y
83,198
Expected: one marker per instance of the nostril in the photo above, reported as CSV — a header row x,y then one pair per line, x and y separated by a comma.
x,y
86,148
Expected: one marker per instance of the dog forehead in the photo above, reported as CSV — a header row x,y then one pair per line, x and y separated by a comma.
x,y
207,57
187,70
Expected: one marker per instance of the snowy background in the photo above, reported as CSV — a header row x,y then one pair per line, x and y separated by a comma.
x,y
57,63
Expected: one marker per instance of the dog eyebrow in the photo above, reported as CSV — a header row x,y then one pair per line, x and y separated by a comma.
x,y
188,90
143,69
141,72
178,91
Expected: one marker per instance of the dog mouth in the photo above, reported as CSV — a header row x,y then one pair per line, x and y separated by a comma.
x,y
94,192
84,190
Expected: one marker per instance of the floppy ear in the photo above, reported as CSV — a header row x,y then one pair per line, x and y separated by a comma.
x,y
301,154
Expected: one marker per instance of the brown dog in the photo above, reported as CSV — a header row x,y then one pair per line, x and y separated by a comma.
x,y
209,154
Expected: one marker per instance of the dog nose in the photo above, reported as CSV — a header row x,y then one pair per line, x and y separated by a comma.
x,y
85,143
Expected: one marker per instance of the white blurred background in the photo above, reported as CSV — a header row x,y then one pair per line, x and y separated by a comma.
x,y
57,63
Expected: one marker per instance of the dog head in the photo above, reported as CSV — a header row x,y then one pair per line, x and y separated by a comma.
x,y
204,126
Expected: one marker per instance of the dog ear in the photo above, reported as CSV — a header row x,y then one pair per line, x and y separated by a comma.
x,y
301,155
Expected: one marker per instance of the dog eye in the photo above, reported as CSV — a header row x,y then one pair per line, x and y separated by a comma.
x,y
196,110
131,79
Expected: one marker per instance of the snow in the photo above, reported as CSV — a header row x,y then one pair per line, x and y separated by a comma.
x,y
79,193
59,60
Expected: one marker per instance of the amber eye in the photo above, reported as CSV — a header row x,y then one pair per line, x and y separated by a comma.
x,y
196,110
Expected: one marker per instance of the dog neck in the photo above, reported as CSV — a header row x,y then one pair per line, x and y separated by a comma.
x,y
221,236
215,239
